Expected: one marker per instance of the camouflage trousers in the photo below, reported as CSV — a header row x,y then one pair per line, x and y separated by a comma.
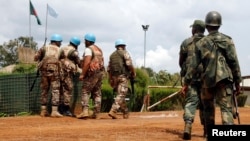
x,y
120,90
192,101
47,83
91,88
66,89
220,94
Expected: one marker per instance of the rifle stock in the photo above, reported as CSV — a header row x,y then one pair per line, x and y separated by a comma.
x,y
33,84
37,72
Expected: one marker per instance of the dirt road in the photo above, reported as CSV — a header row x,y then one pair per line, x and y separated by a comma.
x,y
145,126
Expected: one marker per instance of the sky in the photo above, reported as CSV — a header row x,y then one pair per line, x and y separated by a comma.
x,y
169,24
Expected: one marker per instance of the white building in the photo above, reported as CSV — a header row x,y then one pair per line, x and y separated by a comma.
x,y
245,85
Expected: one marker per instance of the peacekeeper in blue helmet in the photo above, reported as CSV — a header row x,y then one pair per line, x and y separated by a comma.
x,y
91,76
70,65
48,58
120,69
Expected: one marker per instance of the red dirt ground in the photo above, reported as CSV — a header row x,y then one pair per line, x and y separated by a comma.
x,y
141,126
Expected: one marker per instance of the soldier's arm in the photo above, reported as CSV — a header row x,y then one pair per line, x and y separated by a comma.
x,y
129,64
39,54
232,61
85,66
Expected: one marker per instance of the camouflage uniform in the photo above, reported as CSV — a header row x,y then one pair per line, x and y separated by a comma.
x,y
49,68
69,68
192,96
216,52
119,80
92,82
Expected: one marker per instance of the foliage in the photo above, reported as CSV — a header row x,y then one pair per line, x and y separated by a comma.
x,y
142,78
25,68
8,51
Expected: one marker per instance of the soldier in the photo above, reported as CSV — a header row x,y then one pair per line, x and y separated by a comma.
x,y
69,68
192,97
49,67
92,76
120,69
221,71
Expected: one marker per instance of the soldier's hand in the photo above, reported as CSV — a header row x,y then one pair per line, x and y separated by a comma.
x,y
184,90
81,77
237,87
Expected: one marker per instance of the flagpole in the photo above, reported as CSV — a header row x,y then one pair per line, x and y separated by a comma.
x,y
29,25
46,23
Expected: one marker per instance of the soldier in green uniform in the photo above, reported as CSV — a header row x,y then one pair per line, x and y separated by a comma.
x,y
192,97
221,71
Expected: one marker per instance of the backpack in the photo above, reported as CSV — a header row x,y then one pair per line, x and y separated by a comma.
x,y
50,63
217,66
97,61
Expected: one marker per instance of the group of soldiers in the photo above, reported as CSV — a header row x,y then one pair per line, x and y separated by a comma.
x,y
210,72
58,65
209,69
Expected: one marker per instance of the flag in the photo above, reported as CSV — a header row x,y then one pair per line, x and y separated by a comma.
x,y
52,12
33,12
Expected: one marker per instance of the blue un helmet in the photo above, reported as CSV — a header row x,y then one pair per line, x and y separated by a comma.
x,y
120,42
56,37
75,40
90,37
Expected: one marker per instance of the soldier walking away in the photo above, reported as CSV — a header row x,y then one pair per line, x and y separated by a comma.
x,y
69,68
120,69
91,76
221,71
192,97
49,67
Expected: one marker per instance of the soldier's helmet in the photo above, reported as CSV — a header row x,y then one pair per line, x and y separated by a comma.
x,y
90,37
213,18
120,42
75,40
56,37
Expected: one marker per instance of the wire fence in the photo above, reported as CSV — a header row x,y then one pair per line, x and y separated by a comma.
x,y
16,96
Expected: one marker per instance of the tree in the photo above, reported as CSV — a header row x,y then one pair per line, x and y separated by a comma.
x,y
8,51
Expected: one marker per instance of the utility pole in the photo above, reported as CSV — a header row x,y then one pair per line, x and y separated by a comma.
x,y
145,28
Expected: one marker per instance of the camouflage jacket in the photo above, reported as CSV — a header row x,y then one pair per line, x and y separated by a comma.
x,y
187,51
69,64
183,55
49,54
217,54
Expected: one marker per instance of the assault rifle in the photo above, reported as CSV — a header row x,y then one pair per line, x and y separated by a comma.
x,y
33,84
37,72
131,92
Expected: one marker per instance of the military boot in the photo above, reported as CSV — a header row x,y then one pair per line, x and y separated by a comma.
x,y
125,113
61,108
187,131
84,114
66,111
55,112
44,112
95,114
112,114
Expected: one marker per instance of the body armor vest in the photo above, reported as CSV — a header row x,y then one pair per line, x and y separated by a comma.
x,y
97,61
117,63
